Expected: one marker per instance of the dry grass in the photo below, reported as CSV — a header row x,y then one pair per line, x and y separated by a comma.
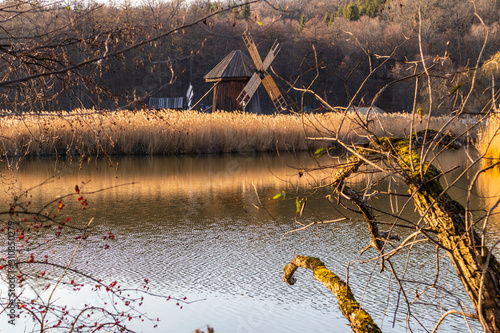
x,y
90,133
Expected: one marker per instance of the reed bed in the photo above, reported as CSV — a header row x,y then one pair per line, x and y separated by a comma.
x,y
151,132
488,142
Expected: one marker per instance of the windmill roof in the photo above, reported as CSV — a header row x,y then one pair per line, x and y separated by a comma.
x,y
235,64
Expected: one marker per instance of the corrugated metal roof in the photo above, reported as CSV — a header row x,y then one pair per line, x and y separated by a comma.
x,y
166,102
235,64
366,109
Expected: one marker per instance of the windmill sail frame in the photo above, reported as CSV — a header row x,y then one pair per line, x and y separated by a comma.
x,y
261,75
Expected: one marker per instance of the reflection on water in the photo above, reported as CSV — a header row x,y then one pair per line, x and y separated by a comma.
x,y
189,225
488,185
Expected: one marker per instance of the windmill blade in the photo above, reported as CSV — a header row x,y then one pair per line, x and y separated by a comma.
x,y
247,92
270,56
274,93
252,49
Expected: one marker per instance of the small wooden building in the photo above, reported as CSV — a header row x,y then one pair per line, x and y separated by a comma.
x,y
231,75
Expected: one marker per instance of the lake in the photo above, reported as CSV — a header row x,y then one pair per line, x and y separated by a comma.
x,y
190,226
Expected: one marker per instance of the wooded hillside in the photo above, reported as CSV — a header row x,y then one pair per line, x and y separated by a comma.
x,y
51,41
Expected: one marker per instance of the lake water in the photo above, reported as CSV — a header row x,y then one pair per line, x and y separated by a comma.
x,y
190,226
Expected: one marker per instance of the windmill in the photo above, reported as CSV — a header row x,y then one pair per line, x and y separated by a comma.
x,y
230,76
261,75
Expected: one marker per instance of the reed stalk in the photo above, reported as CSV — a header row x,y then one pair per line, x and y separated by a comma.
x,y
488,143
162,132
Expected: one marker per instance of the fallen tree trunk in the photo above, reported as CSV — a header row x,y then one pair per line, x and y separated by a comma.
x,y
360,320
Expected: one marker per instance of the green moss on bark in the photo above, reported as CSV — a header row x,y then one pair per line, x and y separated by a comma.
x,y
359,319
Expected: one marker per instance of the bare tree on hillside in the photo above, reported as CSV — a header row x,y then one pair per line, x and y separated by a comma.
x,y
56,55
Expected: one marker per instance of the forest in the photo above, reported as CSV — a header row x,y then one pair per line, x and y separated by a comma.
x,y
83,54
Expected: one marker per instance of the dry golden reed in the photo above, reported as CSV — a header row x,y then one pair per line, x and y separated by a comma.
x,y
488,142
151,132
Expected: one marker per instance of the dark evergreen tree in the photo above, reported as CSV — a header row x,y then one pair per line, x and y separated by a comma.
x,y
245,11
351,11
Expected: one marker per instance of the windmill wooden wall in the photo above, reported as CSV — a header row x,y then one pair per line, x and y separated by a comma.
x,y
225,94
231,75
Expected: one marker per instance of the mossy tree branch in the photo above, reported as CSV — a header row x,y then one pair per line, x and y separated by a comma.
x,y
360,320
352,166
446,217
476,267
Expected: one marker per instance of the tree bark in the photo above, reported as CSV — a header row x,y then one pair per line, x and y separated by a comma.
x,y
360,320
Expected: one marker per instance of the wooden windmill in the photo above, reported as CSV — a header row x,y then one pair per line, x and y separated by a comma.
x,y
261,75
230,76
